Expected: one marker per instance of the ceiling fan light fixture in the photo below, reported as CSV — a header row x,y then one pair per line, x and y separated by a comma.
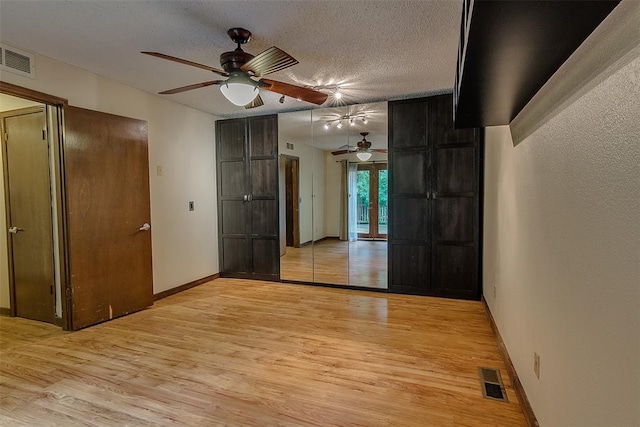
x,y
327,126
239,89
239,94
339,125
363,155
337,94
365,120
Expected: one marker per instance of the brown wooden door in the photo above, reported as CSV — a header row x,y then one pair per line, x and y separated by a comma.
x,y
29,219
292,198
107,191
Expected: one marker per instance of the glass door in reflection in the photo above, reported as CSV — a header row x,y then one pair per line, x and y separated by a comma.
x,y
372,206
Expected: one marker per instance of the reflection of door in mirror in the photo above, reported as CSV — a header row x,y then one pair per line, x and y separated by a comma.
x,y
295,214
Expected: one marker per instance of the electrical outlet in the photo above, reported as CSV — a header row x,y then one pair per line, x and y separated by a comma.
x,y
536,364
191,206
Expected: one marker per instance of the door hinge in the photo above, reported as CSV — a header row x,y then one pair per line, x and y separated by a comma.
x,y
67,293
44,134
6,137
51,289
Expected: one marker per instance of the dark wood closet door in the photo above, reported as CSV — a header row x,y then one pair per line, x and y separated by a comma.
x,y
455,201
434,219
248,197
409,189
232,196
107,189
263,204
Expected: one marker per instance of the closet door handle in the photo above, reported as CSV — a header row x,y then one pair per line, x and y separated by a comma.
x,y
250,197
245,198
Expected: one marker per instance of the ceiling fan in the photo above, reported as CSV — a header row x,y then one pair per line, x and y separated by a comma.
x,y
363,149
245,71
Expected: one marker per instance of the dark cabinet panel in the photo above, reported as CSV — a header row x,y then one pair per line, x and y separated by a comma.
x,y
411,268
410,211
234,255
416,183
264,217
455,268
232,178
409,124
248,197
434,181
264,177
231,132
268,263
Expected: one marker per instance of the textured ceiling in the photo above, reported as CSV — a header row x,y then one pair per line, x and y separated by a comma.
x,y
376,50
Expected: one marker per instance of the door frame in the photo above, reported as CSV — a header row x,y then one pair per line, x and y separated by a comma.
x,y
54,106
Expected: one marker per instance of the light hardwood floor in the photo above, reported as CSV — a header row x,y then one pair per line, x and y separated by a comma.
x,y
361,263
249,353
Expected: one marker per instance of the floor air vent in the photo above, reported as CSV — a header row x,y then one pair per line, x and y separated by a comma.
x,y
17,61
492,387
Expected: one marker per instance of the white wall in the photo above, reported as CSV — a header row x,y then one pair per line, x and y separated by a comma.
x,y
333,174
181,139
562,235
319,180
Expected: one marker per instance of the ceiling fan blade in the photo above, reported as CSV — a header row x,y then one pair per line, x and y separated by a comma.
x,y
191,87
379,150
295,92
269,61
184,61
255,103
338,152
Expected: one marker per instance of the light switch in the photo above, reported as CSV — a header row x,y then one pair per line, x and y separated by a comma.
x,y
159,170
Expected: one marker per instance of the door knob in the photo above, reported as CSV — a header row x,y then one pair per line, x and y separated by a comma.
x,y
144,227
15,230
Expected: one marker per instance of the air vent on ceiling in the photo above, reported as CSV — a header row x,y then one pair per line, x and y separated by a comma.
x,y
289,146
492,387
17,61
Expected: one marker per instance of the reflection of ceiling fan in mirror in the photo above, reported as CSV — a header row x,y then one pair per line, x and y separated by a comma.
x,y
363,149
242,69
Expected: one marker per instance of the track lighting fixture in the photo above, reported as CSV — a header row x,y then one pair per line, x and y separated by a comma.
x,y
339,125
365,120
337,94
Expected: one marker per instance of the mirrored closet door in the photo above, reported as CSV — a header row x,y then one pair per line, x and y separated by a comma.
x,y
333,195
